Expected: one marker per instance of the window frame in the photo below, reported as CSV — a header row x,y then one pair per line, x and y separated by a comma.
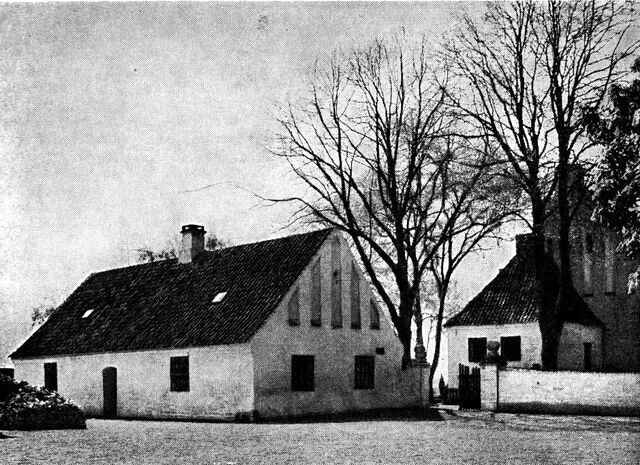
x,y
364,372
508,356
609,265
302,373
179,378
315,288
356,312
293,308
336,284
471,349
374,315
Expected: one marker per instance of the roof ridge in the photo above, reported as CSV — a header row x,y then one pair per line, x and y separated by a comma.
x,y
261,241
172,260
179,297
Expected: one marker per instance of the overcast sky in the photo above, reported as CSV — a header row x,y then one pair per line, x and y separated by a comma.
x,y
109,112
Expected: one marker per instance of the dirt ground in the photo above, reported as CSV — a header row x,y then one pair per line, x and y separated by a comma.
x,y
459,437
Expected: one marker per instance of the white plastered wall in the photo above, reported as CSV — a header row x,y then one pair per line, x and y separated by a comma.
x,y
221,381
334,350
458,351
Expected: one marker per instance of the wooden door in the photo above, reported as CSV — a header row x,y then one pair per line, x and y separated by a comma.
x,y
469,387
109,392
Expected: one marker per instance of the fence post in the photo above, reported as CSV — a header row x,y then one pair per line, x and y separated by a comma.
x,y
489,387
490,379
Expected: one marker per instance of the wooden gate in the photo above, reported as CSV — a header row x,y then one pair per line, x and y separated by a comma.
x,y
469,387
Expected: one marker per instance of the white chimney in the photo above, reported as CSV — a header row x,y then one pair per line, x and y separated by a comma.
x,y
192,242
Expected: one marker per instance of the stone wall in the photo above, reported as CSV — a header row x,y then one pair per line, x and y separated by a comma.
x,y
221,382
560,392
334,351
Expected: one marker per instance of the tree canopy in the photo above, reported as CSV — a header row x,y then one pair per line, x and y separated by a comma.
x,y
616,196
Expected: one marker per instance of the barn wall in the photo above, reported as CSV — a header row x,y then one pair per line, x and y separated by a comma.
x,y
334,350
221,382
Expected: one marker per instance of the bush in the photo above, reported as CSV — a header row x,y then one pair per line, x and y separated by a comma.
x,y
25,407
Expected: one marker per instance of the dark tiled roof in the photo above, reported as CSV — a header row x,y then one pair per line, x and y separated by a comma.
x,y
166,304
513,297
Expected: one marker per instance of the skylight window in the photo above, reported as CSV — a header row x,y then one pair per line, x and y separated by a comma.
x,y
87,313
218,298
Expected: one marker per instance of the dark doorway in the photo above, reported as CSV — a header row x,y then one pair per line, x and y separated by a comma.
x,y
110,393
51,376
587,356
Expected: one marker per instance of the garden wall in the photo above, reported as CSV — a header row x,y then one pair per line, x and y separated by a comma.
x,y
564,392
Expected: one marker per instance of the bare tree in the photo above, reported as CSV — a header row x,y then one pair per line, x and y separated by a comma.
x,y
529,69
372,145
475,216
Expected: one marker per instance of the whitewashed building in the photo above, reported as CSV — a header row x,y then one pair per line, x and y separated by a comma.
x,y
282,327
507,311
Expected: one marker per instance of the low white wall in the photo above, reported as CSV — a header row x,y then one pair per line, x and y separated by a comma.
x,y
568,392
221,382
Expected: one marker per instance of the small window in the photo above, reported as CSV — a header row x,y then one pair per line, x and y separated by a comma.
x,y
87,313
477,348
218,298
379,350
51,376
510,348
374,315
302,372
549,245
587,263
316,296
336,284
355,298
364,373
179,374
609,265
294,308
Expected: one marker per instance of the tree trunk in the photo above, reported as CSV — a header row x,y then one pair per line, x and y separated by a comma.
x,y
547,320
404,331
562,303
442,292
405,314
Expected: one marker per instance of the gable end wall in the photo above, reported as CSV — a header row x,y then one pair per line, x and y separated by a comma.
x,y
334,350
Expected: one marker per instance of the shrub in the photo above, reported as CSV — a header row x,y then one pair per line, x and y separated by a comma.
x,y
25,407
